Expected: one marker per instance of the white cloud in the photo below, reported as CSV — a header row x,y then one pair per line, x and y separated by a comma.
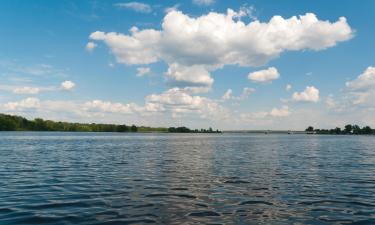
x,y
211,41
141,71
330,102
90,46
364,81
28,103
310,94
136,6
227,95
67,85
105,106
246,92
203,2
262,115
288,87
191,76
26,90
264,76
178,102
280,112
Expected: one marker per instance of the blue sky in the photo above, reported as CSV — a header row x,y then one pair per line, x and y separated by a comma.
x,y
190,63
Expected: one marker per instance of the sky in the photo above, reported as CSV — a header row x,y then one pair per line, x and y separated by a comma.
x,y
226,64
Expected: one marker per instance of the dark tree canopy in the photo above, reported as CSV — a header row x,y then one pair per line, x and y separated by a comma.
x,y
348,129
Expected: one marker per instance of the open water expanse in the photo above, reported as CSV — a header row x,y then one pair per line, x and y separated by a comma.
x,y
105,178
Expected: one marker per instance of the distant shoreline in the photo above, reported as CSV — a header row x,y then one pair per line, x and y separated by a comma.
x,y
18,123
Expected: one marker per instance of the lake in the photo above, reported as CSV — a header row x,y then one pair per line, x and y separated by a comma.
x,y
106,178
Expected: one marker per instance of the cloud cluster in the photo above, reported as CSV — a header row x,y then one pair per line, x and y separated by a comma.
x,y
25,104
194,47
273,113
246,92
176,102
310,94
264,76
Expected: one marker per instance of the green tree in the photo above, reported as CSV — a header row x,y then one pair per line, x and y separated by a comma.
x,y
366,130
348,129
133,128
356,129
310,129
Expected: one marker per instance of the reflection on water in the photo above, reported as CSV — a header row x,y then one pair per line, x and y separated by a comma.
x,y
82,178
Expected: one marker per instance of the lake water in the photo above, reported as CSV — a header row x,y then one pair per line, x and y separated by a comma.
x,y
90,178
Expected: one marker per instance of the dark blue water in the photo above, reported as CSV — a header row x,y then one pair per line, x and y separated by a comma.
x,y
86,178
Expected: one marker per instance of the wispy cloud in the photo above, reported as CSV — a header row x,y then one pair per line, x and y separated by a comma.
x,y
136,6
203,2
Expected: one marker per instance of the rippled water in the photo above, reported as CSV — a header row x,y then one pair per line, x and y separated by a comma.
x,y
85,178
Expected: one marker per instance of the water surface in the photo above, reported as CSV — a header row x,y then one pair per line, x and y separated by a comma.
x,y
102,178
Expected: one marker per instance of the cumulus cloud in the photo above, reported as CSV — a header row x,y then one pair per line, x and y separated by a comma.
x,y
246,92
106,106
211,41
136,6
67,85
178,102
28,103
264,76
362,89
203,2
288,87
364,81
141,71
26,90
310,94
90,46
280,112
182,76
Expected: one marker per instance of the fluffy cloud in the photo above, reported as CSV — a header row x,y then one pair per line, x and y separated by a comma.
x,y
209,42
141,47
203,2
190,76
364,81
26,90
310,94
361,90
90,46
67,85
264,76
280,112
136,6
141,71
179,102
28,103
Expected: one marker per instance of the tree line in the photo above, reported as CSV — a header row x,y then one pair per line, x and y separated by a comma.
x,y
187,130
18,123
348,129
